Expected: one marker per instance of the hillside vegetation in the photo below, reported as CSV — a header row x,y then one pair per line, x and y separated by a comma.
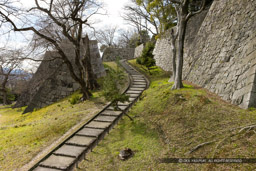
x,y
185,123
23,136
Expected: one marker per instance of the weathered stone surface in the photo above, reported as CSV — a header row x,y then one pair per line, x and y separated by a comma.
x,y
138,86
219,51
52,81
81,140
45,169
101,125
58,162
131,99
139,83
70,150
133,95
111,112
120,107
134,92
135,89
112,54
138,51
105,118
90,132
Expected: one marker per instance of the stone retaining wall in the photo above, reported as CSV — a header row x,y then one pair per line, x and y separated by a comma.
x,y
221,54
138,51
52,81
111,54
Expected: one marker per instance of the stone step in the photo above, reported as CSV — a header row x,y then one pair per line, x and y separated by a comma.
x,y
105,118
123,104
136,89
134,92
112,112
45,169
99,125
139,80
140,83
138,86
58,162
90,132
120,107
131,99
133,95
70,151
81,141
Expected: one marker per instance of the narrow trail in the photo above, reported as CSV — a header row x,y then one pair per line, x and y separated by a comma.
x,y
72,150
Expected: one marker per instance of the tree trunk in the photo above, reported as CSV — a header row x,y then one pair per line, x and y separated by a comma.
x,y
173,40
3,89
86,93
5,101
181,37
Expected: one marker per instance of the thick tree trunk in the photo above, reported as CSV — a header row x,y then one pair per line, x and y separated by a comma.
x,y
86,93
181,37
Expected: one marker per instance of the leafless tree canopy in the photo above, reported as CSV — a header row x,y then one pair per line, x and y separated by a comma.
x,y
140,17
53,21
107,35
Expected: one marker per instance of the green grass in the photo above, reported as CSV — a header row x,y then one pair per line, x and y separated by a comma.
x,y
169,124
22,137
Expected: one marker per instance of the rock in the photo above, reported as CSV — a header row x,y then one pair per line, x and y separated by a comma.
x,y
125,154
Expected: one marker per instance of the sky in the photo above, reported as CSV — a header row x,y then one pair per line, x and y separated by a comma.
x,y
113,18
113,8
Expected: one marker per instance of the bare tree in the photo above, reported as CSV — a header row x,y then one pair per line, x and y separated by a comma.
x,y
125,38
9,61
139,17
57,21
184,12
106,36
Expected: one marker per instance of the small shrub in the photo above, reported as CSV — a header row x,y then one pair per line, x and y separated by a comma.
x,y
111,86
75,98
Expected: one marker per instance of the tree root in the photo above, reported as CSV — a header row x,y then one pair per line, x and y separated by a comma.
x,y
201,145
248,128
253,125
241,129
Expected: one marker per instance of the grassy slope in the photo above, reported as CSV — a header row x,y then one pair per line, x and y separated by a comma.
x,y
23,136
168,124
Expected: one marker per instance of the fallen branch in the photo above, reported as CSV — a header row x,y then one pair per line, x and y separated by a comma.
x,y
247,127
201,145
220,142
253,125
